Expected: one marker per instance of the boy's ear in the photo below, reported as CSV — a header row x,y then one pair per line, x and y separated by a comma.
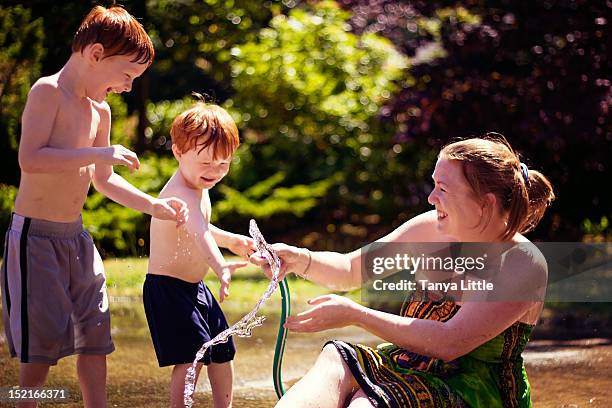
x,y
95,52
176,152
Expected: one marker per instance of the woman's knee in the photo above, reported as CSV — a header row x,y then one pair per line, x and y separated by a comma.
x,y
330,354
331,365
360,400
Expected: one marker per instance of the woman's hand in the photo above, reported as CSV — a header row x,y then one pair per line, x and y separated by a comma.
x,y
328,312
293,259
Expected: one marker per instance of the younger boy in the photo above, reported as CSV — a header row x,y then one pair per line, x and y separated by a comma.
x,y
53,283
181,311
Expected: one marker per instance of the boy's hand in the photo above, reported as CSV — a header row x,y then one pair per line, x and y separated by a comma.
x,y
242,246
172,209
226,277
118,155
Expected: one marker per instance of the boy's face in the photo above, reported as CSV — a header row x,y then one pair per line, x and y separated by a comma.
x,y
199,170
111,74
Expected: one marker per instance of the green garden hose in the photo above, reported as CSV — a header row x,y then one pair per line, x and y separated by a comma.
x,y
281,338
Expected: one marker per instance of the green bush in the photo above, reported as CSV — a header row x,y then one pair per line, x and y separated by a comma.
x,y
263,200
307,97
160,116
21,50
123,129
7,199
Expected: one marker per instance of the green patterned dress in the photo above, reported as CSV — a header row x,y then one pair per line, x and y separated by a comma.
x,y
492,375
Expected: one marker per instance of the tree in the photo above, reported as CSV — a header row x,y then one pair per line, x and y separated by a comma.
x,y
307,93
537,72
192,41
20,53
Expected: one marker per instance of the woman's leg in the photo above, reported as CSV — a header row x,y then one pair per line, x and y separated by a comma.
x,y
328,384
360,400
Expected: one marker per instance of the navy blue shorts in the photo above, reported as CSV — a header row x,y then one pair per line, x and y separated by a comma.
x,y
182,316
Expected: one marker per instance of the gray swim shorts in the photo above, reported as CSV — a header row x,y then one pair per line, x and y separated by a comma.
x,y
54,300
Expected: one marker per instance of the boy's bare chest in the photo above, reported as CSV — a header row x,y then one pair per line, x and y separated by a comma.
x,y
76,125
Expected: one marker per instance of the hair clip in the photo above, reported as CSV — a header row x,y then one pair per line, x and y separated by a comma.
x,y
525,173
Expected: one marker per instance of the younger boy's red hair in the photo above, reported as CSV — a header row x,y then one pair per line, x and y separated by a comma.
x,y
119,33
204,125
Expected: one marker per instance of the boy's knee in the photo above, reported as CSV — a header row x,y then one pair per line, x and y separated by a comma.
x,y
96,358
220,368
33,374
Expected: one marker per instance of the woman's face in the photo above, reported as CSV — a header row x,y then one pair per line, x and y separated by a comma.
x,y
459,213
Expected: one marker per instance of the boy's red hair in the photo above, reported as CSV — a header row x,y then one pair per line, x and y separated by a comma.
x,y
118,31
204,125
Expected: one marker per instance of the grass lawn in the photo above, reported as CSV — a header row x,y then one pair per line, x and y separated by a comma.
x,y
125,277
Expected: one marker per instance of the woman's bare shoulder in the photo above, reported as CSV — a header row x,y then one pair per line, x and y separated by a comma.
x,y
421,228
524,273
527,253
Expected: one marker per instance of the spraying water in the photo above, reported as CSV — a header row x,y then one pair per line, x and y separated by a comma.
x,y
245,326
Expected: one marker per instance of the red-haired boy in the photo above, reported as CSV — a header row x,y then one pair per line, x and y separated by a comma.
x,y
181,311
54,288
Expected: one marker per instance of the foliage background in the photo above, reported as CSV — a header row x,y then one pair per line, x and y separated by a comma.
x,y
342,106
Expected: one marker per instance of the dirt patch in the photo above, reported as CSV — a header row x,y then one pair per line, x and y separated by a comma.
x,y
570,374
562,373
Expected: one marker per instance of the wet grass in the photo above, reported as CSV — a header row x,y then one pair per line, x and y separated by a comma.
x,y
125,277
134,378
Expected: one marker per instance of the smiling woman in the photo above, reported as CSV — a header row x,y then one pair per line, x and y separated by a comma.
x,y
441,352
489,172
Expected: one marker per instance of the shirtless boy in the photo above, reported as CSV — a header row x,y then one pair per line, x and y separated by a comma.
x,y
53,283
181,311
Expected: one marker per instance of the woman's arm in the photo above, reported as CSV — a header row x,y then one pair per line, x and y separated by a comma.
x,y
344,271
474,324
330,269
